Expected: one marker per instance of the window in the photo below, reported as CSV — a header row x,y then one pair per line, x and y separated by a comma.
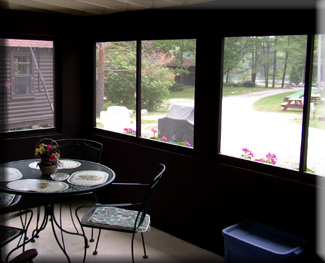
x,y
26,84
146,89
263,102
316,128
21,76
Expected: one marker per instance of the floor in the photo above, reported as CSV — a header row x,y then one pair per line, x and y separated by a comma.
x,y
115,247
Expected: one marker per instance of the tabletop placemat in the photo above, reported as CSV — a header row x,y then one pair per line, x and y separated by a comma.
x,y
8,174
63,164
38,185
68,164
88,178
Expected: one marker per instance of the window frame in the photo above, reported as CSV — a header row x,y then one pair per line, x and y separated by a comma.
x,y
14,76
300,175
137,138
57,116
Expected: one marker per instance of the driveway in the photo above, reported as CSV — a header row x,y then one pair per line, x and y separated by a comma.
x,y
264,132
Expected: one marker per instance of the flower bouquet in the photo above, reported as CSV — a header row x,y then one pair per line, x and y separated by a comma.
x,y
48,155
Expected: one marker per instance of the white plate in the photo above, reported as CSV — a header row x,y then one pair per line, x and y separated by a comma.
x,y
63,164
88,177
59,176
38,185
8,174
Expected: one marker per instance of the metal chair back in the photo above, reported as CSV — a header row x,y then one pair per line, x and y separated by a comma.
x,y
80,149
149,195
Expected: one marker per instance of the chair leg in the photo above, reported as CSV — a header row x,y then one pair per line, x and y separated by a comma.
x,y
132,247
92,236
144,247
132,252
95,251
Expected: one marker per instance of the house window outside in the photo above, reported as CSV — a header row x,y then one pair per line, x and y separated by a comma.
x,y
26,84
165,91
263,100
22,76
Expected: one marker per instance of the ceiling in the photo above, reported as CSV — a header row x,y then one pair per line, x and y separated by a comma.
x,y
100,7
94,7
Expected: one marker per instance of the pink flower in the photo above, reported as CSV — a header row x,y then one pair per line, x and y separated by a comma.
x,y
52,158
49,147
154,130
187,143
164,138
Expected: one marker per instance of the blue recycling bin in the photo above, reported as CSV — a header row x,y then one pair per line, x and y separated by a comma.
x,y
255,242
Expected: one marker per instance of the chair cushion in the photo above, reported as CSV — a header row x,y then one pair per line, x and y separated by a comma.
x,y
118,218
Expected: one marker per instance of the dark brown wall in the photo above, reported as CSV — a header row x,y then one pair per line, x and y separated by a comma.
x,y
200,194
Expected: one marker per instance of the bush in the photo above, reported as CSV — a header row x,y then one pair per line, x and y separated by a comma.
x,y
249,84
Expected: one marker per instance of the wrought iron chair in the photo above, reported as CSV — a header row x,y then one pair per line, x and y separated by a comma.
x,y
114,217
10,233
80,149
83,149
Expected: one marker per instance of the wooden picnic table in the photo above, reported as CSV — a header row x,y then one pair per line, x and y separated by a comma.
x,y
316,98
298,103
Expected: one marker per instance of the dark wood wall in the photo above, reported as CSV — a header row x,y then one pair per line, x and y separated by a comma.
x,y
200,194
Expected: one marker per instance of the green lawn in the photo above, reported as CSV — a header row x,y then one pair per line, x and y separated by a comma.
x,y
273,104
186,93
227,91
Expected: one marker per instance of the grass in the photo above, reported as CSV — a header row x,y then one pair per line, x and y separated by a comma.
x,y
272,104
186,93
227,91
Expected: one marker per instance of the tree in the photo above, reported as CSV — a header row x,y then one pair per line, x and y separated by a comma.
x,y
100,78
120,76
234,51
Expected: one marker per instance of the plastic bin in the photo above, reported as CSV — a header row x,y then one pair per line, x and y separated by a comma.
x,y
254,242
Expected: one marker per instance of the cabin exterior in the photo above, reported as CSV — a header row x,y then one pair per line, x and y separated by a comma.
x,y
27,88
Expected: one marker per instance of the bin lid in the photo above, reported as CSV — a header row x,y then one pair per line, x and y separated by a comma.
x,y
264,237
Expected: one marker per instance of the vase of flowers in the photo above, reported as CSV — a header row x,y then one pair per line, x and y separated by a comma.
x,y
47,153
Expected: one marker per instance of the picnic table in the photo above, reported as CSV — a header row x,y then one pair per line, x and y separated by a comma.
x,y
296,103
296,100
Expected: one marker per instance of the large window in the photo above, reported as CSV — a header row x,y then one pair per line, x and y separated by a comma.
x,y
146,89
26,84
265,90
